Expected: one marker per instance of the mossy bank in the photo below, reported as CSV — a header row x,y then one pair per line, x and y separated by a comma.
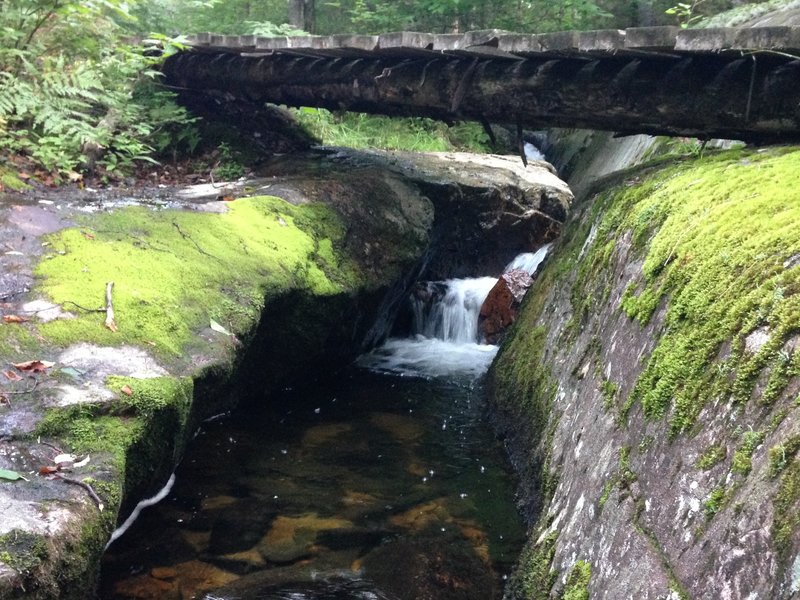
x,y
654,370
190,289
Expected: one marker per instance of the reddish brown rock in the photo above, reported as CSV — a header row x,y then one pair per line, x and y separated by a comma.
x,y
501,305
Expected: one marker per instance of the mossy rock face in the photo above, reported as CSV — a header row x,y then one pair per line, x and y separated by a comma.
x,y
667,325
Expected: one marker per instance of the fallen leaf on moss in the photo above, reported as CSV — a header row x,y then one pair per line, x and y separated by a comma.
x,y
126,389
14,319
219,328
10,475
11,376
33,366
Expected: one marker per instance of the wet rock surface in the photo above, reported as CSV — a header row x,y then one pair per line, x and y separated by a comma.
x,y
502,304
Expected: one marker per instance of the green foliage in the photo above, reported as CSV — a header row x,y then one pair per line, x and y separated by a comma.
x,y
358,130
535,576
577,586
742,462
608,389
715,501
228,166
74,96
781,454
685,14
713,455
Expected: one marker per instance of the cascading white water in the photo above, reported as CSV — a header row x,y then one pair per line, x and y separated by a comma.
x,y
445,339
453,317
528,261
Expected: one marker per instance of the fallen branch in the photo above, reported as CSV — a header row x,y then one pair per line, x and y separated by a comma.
x,y
189,238
89,489
76,305
6,393
53,446
110,324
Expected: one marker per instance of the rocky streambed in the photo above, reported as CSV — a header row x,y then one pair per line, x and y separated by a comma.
x,y
214,300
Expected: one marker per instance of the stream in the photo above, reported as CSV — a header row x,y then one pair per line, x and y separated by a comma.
x,y
383,483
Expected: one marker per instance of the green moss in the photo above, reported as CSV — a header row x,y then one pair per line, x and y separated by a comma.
x,y
577,586
713,455
786,516
535,576
718,240
175,270
10,181
608,487
716,499
742,462
23,551
608,389
153,394
86,429
781,454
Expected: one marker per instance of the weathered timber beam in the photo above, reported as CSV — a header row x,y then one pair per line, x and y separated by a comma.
x,y
739,96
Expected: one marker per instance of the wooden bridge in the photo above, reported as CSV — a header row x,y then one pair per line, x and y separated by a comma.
x,y
724,83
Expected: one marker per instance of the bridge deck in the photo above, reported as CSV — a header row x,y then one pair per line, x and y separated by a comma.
x,y
728,82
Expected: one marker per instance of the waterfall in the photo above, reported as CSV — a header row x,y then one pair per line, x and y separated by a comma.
x,y
445,339
448,310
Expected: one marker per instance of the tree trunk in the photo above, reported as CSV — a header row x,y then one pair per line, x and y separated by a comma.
x,y
301,15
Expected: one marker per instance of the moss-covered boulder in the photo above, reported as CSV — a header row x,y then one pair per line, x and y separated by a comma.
x,y
650,387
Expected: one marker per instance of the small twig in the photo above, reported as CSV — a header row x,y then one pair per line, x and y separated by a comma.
x,y
189,238
75,304
28,391
110,324
53,446
89,489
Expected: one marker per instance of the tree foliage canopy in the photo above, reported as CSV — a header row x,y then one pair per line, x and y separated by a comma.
x,y
77,93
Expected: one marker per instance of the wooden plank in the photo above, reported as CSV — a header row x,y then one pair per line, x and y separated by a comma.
x,y
767,38
601,40
651,38
706,40
406,39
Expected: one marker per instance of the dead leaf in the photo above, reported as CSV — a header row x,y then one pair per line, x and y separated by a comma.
x,y
111,325
11,376
218,328
14,319
74,176
126,389
64,461
82,463
33,366
87,235
23,175
48,470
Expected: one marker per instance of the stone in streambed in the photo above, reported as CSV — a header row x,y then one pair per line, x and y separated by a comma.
x,y
240,526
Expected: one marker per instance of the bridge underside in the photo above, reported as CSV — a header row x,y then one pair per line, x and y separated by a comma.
x,y
595,80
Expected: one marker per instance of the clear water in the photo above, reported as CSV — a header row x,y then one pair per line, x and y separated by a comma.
x,y
373,486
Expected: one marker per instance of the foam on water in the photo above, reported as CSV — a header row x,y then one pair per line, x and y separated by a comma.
x,y
429,357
